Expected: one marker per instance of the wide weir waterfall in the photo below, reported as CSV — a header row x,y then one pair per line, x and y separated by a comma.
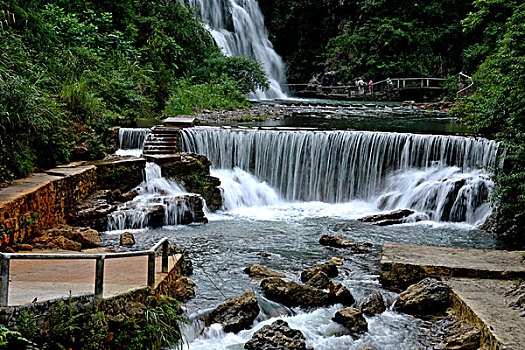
x,y
238,29
441,177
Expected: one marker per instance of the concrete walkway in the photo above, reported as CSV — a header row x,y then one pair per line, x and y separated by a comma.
x,y
51,279
479,279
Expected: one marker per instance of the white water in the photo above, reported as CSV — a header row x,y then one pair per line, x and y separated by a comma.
x,y
155,192
238,29
348,174
131,141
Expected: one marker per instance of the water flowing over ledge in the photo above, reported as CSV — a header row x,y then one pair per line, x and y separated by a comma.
x,y
437,175
238,29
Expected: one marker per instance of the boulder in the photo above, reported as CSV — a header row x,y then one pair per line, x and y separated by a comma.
x,y
156,214
93,211
63,243
340,294
87,237
329,269
335,261
127,239
235,314
352,319
384,219
294,294
429,296
320,280
341,241
373,304
23,247
261,272
276,336
183,289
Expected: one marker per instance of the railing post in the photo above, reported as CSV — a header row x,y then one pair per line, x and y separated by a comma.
x,y
151,271
165,248
99,277
4,280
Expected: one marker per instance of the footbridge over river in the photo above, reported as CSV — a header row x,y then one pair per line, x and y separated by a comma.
x,y
390,88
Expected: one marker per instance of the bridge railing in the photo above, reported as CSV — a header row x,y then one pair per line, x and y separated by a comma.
x,y
5,260
393,84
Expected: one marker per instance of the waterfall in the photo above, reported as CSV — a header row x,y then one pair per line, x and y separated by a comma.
x,y
131,141
160,202
238,28
439,175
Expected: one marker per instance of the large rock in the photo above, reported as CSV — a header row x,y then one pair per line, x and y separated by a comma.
x,y
352,319
373,304
320,280
429,296
463,338
341,241
127,239
277,336
183,289
193,170
68,238
329,269
294,294
384,219
93,211
340,294
261,272
235,314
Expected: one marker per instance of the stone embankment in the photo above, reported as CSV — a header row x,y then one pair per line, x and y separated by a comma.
x,y
484,287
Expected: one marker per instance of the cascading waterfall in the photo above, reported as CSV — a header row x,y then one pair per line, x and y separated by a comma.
x,y
437,175
131,141
159,199
238,28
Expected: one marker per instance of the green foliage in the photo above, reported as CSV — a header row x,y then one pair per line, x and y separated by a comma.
x,y
188,98
69,70
13,340
497,109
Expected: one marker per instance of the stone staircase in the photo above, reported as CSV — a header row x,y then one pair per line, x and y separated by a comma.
x,y
161,141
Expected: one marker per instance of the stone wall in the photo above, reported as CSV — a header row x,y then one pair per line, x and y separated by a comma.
x,y
41,201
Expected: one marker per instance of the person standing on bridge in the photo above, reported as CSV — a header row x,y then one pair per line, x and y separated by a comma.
x,y
361,86
370,86
356,86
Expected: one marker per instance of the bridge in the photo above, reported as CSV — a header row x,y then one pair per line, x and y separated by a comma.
x,y
386,88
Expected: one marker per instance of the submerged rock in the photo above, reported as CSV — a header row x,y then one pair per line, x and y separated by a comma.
x,y
294,294
352,319
373,304
384,219
236,313
341,241
429,296
127,239
260,272
276,336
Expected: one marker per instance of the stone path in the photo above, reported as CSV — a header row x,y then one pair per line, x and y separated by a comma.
x,y
480,280
51,279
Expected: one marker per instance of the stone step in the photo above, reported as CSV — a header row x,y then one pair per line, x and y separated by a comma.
x,y
160,148
158,151
160,142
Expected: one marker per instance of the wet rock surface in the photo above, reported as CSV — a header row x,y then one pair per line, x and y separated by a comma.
x,y
261,272
277,336
253,114
329,269
340,241
373,304
294,294
340,294
426,297
193,171
185,259
127,239
392,218
235,314
352,319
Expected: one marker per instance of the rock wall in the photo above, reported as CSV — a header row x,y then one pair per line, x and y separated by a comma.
x,y
43,200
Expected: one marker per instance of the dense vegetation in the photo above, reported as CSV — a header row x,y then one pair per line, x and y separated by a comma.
x,y
70,70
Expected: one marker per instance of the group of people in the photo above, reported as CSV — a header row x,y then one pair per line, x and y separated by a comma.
x,y
360,86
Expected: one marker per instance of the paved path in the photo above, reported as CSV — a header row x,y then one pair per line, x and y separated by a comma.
x,y
50,279
480,281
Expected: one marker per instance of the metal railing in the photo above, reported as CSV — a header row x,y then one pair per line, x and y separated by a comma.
x,y
5,259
